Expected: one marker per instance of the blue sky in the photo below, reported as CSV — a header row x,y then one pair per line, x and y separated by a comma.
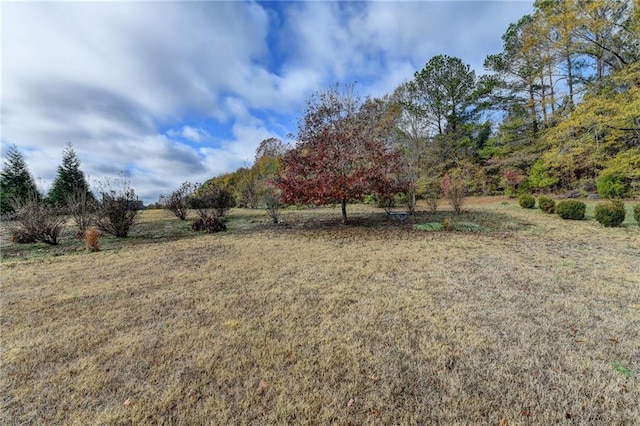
x,y
177,91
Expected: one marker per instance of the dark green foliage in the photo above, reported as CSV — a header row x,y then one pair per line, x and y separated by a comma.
x,y
214,197
612,186
208,223
611,213
69,179
16,182
546,204
527,201
571,209
636,213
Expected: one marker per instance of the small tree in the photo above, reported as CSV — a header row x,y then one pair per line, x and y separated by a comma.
x,y
272,203
539,178
511,179
117,210
69,179
178,201
341,153
431,190
16,182
455,191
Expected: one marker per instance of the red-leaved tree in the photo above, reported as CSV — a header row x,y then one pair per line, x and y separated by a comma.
x,y
341,153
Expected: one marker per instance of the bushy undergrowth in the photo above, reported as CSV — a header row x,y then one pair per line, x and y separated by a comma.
x,y
571,209
636,213
37,221
546,204
610,214
208,223
527,201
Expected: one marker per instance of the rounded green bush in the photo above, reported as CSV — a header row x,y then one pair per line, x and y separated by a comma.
x,y
612,186
571,209
546,204
610,214
527,201
636,213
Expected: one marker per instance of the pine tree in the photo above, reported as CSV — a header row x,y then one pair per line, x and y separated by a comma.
x,y
16,182
69,180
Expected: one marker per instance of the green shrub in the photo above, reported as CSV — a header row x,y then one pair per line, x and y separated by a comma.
x,y
467,227
612,186
611,213
636,213
546,204
571,209
432,226
527,201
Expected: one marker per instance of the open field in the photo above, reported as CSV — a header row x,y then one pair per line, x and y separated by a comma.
x,y
534,320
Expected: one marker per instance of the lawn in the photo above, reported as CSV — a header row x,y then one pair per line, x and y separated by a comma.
x,y
527,320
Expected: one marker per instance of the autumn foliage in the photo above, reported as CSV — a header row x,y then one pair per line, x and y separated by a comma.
x,y
341,154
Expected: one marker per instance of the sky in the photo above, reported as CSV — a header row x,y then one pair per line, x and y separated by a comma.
x,y
167,92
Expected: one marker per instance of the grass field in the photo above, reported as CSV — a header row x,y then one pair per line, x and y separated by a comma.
x,y
530,320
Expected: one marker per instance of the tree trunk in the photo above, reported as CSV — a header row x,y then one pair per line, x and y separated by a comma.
x,y
570,80
344,211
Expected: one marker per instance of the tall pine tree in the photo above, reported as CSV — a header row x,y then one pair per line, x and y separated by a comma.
x,y
69,180
16,182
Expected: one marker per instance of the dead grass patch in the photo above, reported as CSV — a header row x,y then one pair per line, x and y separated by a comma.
x,y
374,323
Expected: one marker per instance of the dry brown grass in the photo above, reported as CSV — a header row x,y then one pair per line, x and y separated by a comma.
x,y
314,323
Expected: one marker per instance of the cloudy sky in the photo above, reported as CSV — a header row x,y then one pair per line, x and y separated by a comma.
x,y
173,91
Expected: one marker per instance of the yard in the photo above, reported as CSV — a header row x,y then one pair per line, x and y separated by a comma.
x,y
528,320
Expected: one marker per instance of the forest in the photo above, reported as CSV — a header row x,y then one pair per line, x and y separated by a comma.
x,y
557,111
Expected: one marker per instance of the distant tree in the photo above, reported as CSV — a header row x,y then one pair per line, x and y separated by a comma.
x,y
16,182
179,200
69,178
341,153
271,147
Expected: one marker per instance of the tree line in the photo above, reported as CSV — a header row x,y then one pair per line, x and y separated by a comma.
x,y
41,218
557,110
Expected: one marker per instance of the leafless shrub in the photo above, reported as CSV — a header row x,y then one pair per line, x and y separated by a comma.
x,y
37,221
178,201
273,204
117,210
81,205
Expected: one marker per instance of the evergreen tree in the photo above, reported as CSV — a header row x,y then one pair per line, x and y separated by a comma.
x,y
69,180
16,182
